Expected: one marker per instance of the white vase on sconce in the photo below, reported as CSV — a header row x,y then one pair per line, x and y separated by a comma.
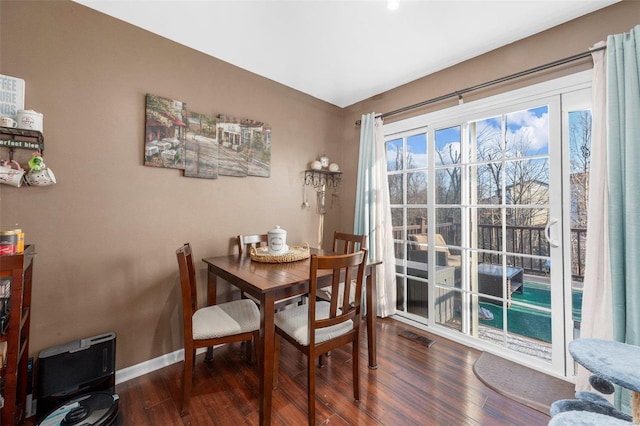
x,y
324,161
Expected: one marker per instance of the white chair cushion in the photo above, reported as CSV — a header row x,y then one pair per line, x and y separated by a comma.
x,y
295,322
226,319
325,293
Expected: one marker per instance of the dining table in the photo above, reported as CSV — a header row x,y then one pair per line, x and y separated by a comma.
x,y
269,283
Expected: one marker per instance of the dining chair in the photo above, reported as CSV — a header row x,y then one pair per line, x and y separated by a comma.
x,y
245,243
319,326
343,243
222,323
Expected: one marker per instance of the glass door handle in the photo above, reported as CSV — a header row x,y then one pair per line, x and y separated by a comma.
x,y
547,233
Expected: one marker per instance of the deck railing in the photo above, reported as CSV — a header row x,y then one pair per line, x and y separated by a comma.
x,y
525,240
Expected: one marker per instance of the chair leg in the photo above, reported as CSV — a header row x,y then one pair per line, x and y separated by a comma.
x,y
209,355
276,361
187,381
356,369
256,346
311,388
322,359
248,351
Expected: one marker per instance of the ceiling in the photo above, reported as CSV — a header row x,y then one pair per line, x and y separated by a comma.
x,y
343,52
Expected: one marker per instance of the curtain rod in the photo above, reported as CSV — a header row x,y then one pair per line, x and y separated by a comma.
x,y
459,93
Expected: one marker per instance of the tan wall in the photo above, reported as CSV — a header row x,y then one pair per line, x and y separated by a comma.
x,y
560,42
106,234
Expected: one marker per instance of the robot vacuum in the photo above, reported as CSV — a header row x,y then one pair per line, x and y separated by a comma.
x,y
98,408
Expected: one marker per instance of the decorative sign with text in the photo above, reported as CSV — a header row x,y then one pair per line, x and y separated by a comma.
x,y
11,96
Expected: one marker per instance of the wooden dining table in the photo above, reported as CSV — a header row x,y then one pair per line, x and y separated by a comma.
x,y
270,282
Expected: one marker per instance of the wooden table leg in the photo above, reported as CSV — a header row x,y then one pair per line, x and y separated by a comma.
x,y
265,367
212,281
371,318
635,406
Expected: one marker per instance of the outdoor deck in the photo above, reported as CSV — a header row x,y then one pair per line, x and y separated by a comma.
x,y
534,340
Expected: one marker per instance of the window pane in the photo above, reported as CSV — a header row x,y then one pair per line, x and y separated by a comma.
x,y
417,188
448,185
447,146
525,234
489,233
485,139
527,218
400,293
395,157
489,216
527,132
448,225
395,188
416,221
397,219
448,307
417,151
527,182
580,159
486,181
417,292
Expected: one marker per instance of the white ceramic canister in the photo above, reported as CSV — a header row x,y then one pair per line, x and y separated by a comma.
x,y
29,120
277,239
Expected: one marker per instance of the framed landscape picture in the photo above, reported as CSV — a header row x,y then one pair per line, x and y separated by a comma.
x,y
259,158
201,146
232,156
165,133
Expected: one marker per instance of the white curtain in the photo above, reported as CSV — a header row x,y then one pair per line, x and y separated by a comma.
x,y
597,318
373,211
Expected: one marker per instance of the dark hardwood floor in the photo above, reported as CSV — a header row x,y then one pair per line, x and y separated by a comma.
x,y
413,385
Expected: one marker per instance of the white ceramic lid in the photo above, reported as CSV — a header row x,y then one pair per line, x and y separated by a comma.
x,y
277,230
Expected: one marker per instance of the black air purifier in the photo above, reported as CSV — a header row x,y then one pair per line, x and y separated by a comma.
x,y
76,383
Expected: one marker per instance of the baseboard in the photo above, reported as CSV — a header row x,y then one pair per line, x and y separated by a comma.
x,y
151,365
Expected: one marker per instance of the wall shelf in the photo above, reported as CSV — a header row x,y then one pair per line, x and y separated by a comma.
x,y
318,178
13,139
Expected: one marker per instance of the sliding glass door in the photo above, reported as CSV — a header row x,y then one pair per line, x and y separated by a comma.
x,y
482,231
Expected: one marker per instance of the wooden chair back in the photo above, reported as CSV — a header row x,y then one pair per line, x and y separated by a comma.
x,y
346,268
188,287
348,243
245,242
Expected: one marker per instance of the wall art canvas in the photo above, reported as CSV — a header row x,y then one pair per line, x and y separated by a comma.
x,y
165,132
201,146
204,146
259,157
232,160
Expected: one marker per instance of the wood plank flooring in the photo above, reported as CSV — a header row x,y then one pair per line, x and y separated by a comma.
x,y
413,385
